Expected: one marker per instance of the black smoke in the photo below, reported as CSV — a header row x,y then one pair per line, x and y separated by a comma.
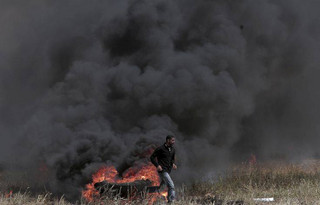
x,y
87,83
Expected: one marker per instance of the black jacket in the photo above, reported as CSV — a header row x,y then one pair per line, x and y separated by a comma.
x,y
163,156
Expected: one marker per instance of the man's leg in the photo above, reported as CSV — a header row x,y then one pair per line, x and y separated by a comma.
x,y
167,179
161,183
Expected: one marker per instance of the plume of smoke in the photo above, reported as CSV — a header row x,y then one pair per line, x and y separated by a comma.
x,y
89,83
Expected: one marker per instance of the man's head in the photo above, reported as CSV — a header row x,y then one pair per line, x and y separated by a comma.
x,y
170,140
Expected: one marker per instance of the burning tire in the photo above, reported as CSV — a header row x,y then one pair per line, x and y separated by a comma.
x,y
126,190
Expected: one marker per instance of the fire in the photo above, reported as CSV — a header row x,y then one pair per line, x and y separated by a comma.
x,y
164,194
110,174
154,196
141,173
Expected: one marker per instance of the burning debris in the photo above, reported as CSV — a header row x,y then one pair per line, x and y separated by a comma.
x,y
127,190
135,182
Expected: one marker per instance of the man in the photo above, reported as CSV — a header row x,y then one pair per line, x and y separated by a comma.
x,y
164,159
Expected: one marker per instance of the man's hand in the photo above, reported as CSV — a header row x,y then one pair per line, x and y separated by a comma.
x,y
159,168
174,166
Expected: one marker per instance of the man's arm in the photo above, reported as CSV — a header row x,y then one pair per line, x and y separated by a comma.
x,y
154,159
174,157
174,166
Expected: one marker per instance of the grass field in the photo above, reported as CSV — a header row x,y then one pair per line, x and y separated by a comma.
x,y
287,183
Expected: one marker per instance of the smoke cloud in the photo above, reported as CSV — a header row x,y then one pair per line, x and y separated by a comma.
x,y
87,83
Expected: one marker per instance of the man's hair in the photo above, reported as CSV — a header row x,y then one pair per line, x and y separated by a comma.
x,y
169,137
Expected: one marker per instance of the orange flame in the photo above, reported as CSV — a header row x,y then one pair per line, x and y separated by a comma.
x,y
164,194
110,174
154,196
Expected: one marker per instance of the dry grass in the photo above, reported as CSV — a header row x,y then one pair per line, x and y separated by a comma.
x,y
287,183
25,198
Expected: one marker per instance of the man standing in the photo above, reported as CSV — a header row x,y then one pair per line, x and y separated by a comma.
x,y
164,159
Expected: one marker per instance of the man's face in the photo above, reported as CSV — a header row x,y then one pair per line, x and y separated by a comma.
x,y
171,142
